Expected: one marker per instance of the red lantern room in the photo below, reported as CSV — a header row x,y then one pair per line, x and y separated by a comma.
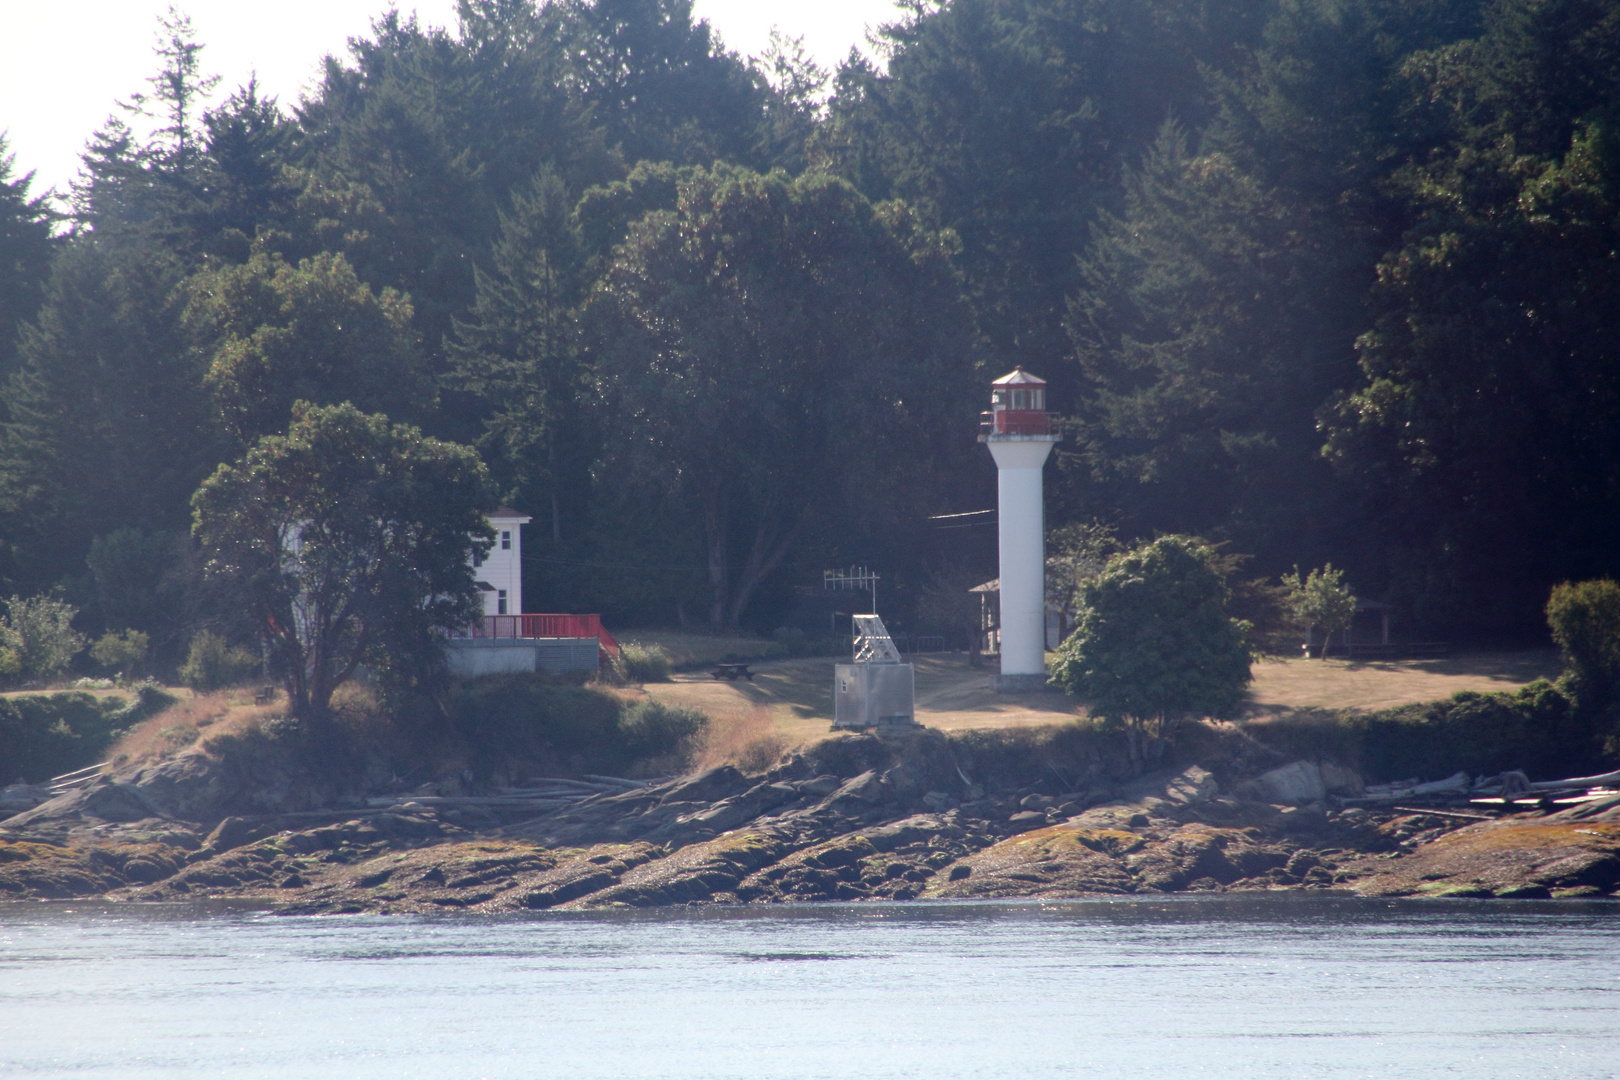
x,y
1017,407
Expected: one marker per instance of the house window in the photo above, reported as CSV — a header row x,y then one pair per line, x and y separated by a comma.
x,y
506,540
500,601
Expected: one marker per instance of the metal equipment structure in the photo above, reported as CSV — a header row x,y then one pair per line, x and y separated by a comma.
x,y
876,689
856,577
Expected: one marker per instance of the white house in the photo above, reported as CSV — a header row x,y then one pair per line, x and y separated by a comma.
x,y
500,575
508,639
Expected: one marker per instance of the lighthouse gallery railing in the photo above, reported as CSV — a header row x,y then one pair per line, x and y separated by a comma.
x,y
1015,422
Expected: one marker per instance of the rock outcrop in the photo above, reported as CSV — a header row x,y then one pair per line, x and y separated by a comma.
x,y
852,819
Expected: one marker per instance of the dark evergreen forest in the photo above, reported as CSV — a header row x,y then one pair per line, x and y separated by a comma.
x,y
1319,279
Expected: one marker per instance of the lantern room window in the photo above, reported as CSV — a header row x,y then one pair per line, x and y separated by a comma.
x,y
1017,407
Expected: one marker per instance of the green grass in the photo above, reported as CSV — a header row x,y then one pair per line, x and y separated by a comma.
x,y
687,649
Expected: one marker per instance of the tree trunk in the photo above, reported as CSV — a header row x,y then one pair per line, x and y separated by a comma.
x,y
763,557
715,526
1133,744
1156,745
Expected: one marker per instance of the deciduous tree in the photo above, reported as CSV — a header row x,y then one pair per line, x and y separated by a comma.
x,y
355,539
1155,643
275,333
768,346
41,635
1585,621
1321,599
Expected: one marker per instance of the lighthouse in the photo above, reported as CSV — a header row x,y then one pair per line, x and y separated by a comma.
x,y
1018,431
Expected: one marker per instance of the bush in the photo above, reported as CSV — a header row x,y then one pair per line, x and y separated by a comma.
x,y
1539,729
41,637
213,662
536,723
45,735
640,663
650,729
120,652
10,653
1585,622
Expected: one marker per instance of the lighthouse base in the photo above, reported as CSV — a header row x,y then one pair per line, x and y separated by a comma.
x,y
1018,684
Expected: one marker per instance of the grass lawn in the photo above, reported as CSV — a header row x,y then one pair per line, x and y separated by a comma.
x,y
686,649
794,697
1364,685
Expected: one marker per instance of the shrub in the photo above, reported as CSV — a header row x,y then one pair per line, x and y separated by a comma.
x,y
45,735
41,635
1155,643
1538,729
643,663
213,662
651,729
539,724
10,653
120,652
1585,622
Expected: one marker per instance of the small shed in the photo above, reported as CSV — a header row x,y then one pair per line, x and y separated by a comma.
x,y
1369,628
1059,623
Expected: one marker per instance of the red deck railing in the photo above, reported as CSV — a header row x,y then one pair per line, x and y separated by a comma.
x,y
544,626
1015,422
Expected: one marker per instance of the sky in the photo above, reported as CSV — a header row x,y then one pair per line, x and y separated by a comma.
x,y
64,63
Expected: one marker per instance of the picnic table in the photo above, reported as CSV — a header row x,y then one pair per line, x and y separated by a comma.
x,y
732,672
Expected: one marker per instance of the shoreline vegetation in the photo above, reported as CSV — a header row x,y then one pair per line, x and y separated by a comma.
x,y
240,806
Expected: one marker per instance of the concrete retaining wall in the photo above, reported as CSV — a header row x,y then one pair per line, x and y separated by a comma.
x,y
469,658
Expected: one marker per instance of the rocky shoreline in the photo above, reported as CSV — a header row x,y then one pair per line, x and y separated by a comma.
x,y
850,820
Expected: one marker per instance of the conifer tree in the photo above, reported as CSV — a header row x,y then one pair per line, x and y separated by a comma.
x,y
249,183
515,352
662,85
107,421
151,187
1197,379
26,245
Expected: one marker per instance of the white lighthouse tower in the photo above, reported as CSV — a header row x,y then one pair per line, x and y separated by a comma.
x,y
1018,431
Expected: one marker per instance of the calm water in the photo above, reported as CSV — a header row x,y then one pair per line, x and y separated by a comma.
x,y
1227,988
